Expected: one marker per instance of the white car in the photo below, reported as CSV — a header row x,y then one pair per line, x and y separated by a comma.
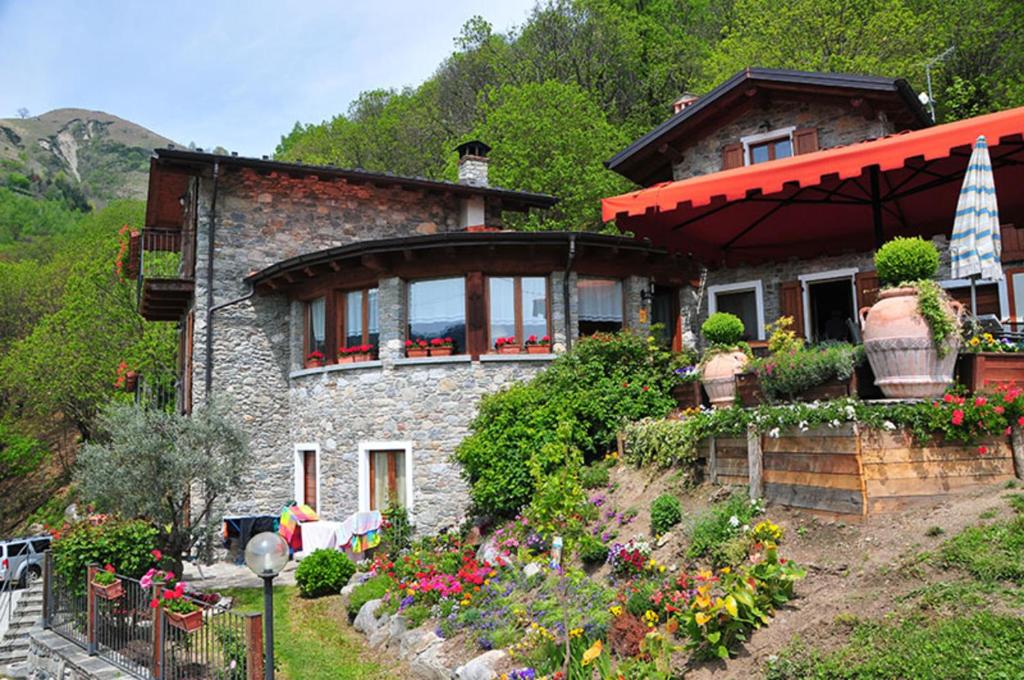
x,y
21,559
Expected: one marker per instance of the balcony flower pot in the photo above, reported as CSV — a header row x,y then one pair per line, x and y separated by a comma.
x,y
509,349
441,351
688,395
315,360
108,591
131,381
899,345
719,376
189,622
983,371
346,359
538,349
417,352
362,356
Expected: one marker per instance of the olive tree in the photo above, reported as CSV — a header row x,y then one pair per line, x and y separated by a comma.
x,y
168,468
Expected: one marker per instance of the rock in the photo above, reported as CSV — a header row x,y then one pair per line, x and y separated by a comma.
x,y
531,569
664,538
482,667
720,494
366,620
428,665
411,643
396,627
359,578
379,638
488,551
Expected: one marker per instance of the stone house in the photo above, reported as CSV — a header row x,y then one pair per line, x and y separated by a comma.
x,y
264,264
783,183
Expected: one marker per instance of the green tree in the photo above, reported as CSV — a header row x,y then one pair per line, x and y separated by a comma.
x,y
166,467
551,137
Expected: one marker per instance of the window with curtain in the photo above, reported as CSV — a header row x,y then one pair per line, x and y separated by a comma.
x,y
387,479
359,318
517,307
316,330
600,306
437,309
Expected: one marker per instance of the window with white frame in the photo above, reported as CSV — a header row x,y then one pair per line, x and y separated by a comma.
x,y
600,305
385,475
307,475
767,146
744,299
830,305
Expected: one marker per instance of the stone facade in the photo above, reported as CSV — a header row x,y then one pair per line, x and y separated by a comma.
x,y
836,125
258,347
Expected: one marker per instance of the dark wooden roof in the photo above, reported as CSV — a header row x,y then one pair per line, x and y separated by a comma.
x,y
645,163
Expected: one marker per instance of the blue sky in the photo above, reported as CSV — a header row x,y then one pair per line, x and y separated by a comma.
x,y
235,74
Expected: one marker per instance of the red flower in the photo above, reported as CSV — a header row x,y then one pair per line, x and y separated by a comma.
x,y
408,343
948,398
109,568
154,603
980,401
958,417
157,555
422,344
645,388
532,339
436,342
999,409
449,340
982,450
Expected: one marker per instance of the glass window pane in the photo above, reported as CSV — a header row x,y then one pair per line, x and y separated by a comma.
x,y
380,480
354,318
783,148
759,153
600,300
372,321
437,309
399,481
316,333
535,306
744,305
501,299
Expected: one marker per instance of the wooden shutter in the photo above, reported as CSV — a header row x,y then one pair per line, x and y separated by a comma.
x,y
805,140
732,156
309,478
867,288
791,303
476,315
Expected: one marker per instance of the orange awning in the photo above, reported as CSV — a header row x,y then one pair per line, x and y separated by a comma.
x,y
830,201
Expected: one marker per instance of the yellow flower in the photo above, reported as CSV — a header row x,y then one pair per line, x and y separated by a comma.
x,y
975,342
575,632
702,618
661,568
726,570
730,606
615,610
592,653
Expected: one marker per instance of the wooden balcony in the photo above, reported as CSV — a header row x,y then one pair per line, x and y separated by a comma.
x,y
164,272
165,299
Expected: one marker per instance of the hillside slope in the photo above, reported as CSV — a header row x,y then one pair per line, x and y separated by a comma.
x,y
106,156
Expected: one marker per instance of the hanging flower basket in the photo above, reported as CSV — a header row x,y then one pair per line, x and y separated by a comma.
x,y
109,591
187,622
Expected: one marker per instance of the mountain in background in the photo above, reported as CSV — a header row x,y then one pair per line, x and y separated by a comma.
x,y
87,157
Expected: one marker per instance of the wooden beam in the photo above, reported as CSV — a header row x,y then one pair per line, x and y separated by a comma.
x,y
334,265
308,271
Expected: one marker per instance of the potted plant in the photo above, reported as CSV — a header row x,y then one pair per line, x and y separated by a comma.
x,y
535,346
827,371
911,335
723,358
687,391
181,612
506,346
106,583
417,348
986,362
315,359
442,347
355,353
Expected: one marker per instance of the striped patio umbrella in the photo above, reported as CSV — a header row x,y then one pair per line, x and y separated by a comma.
x,y
975,246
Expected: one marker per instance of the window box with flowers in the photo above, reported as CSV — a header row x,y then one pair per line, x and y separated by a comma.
x,y
417,349
507,346
688,393
106,584
442,347
541,346
986,362
315,359
181,612
355,354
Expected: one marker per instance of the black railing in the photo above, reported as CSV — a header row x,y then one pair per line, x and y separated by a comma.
x,y
124,628
161,254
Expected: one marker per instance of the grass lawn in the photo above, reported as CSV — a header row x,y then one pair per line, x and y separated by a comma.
x,y
312,638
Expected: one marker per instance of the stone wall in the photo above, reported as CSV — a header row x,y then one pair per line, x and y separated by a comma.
x,y
836,125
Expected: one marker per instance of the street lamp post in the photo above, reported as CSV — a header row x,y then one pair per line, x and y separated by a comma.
x,y
266,554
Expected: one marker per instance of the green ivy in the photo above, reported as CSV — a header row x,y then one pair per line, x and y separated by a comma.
x,y
933,305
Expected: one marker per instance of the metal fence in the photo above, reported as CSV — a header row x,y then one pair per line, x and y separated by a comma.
x,y
144,640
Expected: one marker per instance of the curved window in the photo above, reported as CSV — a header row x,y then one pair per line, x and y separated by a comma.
x,y
359,318
437,309
600,305
316,326
517,307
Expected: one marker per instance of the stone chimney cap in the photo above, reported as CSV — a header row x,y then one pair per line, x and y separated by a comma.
x,y
684,101
473,147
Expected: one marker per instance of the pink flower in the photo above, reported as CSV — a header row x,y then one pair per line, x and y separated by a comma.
x,y
1020,421
980,401
157,555
154,603
958,417
948,398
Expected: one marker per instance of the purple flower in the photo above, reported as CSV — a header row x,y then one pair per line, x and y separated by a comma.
x,y
406,602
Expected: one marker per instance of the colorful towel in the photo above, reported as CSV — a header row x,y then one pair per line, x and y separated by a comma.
x,y
361,531
291,515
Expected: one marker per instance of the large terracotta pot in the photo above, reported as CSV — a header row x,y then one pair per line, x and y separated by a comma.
x,y
719,377
899,346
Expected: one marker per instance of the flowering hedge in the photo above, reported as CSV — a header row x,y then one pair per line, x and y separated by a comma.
x,y
955,417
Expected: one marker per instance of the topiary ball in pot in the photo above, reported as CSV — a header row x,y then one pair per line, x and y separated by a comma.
x,y
911,333
323,572
722,360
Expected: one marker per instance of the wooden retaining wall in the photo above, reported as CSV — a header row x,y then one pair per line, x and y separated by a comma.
x,y
847,471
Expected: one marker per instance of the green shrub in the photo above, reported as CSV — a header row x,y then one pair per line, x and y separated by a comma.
x,y
903,260
665,513
640,601
594,476
416,614
372,589
660,442
723,328
604,382
714,528
591,550
323,572
125,544
785,375
19,455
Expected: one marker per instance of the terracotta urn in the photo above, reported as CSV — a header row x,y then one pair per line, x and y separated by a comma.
x,y
899,347
719,377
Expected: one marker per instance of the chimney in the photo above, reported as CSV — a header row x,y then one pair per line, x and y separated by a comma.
x,y
473,162
685,101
